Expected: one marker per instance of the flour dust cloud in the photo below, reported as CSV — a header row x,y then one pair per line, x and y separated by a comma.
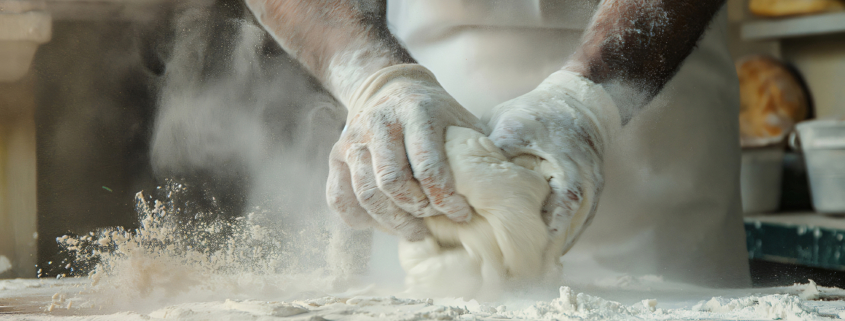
x,y
236,111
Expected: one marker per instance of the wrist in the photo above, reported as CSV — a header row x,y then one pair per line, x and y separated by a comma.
x,y
349,69
589,98
388,81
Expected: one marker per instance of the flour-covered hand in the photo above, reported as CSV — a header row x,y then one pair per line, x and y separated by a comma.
x,y
566,123
389,168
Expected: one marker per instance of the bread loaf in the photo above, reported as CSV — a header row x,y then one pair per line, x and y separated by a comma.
x,y
780,8
772,100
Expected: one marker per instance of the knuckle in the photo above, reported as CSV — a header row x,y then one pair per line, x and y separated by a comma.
x,y
430,169
392,129
338,150
356,151
431,179
339,203
441,198
335,197
394,183
354,221
366,194
391,177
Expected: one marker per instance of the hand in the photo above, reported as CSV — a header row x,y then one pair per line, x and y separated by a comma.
x,y
567,122
389,167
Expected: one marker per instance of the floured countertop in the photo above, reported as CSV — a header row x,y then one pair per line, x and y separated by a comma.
x,y
248,270
623,298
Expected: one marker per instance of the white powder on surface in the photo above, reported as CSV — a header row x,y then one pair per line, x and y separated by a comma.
x,y
178,269
570,305
174,259
811,291
18,284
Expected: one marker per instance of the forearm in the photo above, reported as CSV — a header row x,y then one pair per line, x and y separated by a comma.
x,y
337,42
634,47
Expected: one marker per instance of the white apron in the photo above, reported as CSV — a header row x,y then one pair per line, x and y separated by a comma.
x,y
671,203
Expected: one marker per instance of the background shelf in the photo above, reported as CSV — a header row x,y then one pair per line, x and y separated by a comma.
x,y
794,27
806,239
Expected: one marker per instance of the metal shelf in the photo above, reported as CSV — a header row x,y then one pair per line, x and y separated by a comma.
x,y
794,27
807,239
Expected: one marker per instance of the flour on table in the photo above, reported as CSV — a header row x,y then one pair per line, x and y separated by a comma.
x,y
779,304
504,243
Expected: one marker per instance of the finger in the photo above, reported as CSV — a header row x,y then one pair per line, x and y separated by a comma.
x,y
340,195
393,174
560,206
427,156
380,207
574,212
570,207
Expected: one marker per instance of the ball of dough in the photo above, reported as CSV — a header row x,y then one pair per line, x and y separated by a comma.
x,y
505,240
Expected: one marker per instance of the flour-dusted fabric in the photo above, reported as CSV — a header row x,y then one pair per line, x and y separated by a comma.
x,y
671,203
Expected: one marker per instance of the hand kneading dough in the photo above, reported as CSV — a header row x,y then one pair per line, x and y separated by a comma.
x,y
504,242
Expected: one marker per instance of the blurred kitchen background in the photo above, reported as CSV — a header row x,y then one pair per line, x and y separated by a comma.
x,y
81,83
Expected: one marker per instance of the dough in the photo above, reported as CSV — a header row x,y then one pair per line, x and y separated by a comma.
x,y
503,244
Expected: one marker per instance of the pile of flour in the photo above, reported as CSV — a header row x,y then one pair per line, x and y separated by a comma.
x,y
170,268
177,258
570,305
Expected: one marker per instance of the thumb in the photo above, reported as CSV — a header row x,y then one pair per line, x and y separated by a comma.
x,y
570,209
561,205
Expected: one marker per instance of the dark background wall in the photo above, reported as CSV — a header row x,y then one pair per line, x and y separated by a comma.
x,y
99,93
95,107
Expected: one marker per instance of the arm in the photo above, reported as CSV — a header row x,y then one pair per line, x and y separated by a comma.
x,y
629,51
388,168
634,47
339,42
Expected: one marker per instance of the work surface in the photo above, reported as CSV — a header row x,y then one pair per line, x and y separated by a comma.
x,y
646,298
168,270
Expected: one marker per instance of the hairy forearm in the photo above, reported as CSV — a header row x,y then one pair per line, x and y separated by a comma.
x,y
634,47
338,43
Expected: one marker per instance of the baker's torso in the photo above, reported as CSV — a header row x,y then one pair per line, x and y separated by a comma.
x,y
670,205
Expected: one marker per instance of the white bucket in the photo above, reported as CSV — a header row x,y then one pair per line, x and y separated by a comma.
x,y
823,144
760,179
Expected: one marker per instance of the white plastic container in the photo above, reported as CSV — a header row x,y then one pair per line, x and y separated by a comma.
x,y
823,144
760,179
